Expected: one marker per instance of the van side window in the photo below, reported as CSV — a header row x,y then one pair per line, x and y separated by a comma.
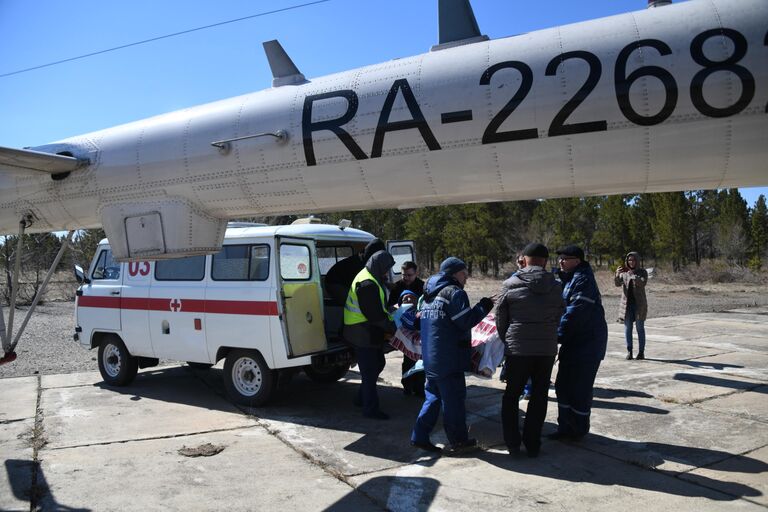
x,y
295,262
106,268
191,268
241,263
329,256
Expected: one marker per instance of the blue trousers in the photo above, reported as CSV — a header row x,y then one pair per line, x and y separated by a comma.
x,y
370,361
447,393
629,318
573,387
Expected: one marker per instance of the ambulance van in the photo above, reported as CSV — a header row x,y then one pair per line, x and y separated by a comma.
x,y
259,304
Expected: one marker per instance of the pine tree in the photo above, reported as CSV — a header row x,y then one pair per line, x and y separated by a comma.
x,y
671,227
732,236
759,231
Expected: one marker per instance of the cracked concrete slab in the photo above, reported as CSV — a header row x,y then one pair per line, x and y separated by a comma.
x,y
23,404
18,466
159,403
680,386
740,474
255,471
562,477
680,441
751,405
686,429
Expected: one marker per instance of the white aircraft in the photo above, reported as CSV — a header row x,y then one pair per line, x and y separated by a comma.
x,y
663,99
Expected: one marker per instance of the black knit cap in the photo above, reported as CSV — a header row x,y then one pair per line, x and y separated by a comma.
x,y
536,250
571,250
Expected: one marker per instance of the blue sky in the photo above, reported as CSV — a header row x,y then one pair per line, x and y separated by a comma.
x,y
125,85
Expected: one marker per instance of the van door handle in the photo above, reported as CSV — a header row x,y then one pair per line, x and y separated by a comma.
x,y
115,292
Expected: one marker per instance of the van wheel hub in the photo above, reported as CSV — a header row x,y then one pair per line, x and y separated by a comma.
x,y
112,360
246,376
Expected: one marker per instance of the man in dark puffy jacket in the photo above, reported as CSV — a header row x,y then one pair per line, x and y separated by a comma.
x,y
366,322
583,335
446,323
340,275
527,317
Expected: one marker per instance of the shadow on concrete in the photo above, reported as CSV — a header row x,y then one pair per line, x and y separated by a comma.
x,y
622,406
21,474
391,493
619,393
642,455
720,382
610,394
696,364
176,385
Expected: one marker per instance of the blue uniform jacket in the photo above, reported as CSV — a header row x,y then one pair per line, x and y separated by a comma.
x,y
446,323
582,333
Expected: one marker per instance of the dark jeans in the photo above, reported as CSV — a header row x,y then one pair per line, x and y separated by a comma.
x,y
573,387
447,393
371,362
629,319
518,370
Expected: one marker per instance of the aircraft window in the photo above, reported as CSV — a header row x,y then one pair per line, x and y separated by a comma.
x,y
329,256
401,254
295,262
191,268
106,268
241,263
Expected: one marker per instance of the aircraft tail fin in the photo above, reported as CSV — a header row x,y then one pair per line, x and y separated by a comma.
x,y
284,71
37,161
456,24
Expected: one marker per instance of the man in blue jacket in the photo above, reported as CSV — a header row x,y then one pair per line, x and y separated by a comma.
x,y
446,323
583,335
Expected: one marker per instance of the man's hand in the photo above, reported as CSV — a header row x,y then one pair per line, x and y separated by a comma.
x,y
487,304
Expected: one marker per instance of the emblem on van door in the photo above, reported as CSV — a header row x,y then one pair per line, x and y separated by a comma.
x,y
175,305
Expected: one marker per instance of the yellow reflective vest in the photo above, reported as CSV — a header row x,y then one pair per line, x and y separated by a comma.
x,y
352,313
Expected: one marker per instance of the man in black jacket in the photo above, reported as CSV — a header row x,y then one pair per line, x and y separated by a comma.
x,y
409,281
366,323
340,276
527,317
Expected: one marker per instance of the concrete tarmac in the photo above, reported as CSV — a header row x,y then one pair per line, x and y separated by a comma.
x,y
686,429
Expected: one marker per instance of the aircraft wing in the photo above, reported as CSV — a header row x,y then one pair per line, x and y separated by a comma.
x,y
39,162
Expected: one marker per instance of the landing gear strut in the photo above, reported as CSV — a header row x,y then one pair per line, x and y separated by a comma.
x,y
9,341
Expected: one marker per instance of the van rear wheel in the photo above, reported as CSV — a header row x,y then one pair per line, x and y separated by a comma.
x,y
326,374
247,378
116,365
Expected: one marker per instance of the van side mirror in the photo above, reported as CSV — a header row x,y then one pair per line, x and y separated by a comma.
x,y
80,275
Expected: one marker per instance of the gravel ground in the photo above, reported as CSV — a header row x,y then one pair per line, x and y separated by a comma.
x,y
47,346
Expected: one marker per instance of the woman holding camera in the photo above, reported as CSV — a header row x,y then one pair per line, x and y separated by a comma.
x,y
634,306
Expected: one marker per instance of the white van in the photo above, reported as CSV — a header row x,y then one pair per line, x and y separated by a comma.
x,y
259,304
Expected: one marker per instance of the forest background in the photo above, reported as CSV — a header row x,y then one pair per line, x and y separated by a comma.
x,y
675,231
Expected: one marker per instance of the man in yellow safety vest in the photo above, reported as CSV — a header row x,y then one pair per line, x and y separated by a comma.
x,y
366,322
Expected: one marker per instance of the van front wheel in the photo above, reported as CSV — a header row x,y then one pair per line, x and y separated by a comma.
x,y
247,378
116,365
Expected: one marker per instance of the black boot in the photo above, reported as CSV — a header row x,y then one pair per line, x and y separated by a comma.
x,y
640,355
629,355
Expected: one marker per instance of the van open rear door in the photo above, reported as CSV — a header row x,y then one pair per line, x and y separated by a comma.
x,y
401,251
300,296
